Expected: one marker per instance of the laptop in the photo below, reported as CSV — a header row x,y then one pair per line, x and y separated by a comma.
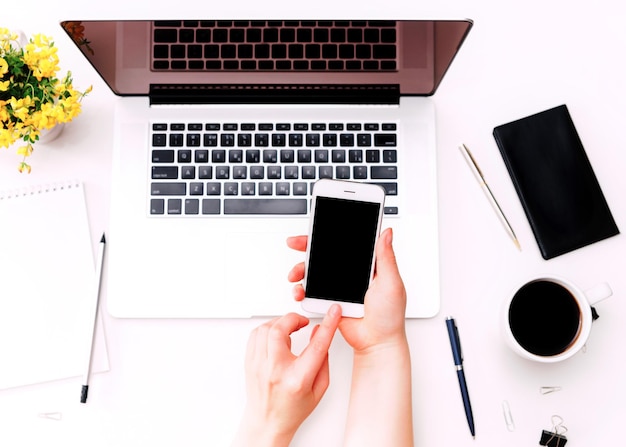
x,y
222,128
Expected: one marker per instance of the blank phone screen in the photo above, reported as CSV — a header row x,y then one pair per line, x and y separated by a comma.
x,y
342,247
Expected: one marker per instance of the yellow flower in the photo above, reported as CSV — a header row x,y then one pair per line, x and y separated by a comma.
x,y
24,167
40,55
6,138
25,150
37,99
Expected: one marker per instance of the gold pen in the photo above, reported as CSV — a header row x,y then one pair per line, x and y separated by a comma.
x,y
494,203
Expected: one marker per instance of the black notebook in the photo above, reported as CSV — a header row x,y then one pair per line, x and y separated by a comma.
x,y
555,182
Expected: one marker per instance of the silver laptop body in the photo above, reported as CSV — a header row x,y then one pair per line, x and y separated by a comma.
x,y
197,227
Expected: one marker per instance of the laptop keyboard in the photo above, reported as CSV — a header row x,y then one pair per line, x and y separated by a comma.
x,y
217,169
274,45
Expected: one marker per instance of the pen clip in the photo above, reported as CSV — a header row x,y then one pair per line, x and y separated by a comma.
x,y
458,341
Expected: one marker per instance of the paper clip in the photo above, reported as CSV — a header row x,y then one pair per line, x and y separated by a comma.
x,y
554,438
508,417
55,416
549,389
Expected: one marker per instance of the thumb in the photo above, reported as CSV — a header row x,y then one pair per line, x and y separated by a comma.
x,y
386,264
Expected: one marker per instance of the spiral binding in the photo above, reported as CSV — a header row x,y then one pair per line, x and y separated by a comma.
x,y
38,189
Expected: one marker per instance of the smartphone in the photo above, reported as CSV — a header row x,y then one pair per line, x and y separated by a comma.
x,y
343,231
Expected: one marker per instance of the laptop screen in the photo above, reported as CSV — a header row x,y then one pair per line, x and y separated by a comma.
x,y
135,56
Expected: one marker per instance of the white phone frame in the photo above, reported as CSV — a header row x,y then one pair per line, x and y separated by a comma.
x,y
348,190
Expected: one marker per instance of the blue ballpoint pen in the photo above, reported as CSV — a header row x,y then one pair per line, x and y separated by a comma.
x,y
455,343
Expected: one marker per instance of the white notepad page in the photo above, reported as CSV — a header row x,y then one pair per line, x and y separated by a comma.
x,y
47,286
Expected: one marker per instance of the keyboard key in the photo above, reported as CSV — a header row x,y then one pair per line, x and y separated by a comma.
x,y
248,189
227,139
240,172
384,51
391,189
295,139
253,156
282,189
174,206
205,172
262,140
201,156
193,139
159,140
312,139
339,156
209,140
265,206
184,156
157,206
372,156
231,189
321,156
257,172
287,156
266,189
192,206
342,172
363,140
390,156
325,172
218,156
270,156
235,156
211,206
244,140
188,172
384,172
355,156
304,156
390,210
382,139
168,189
162,156
299,189
308,172
329,139
346,140
164,172
196,189
291,172
176,139
213,189
222,172
273,172
359,172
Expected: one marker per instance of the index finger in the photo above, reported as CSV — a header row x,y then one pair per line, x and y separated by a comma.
x,y
315,354
279,332
297,242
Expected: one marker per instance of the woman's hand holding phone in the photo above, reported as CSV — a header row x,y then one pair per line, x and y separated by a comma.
x,y
385,300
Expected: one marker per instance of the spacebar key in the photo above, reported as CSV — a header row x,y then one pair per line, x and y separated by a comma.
x,y
265,206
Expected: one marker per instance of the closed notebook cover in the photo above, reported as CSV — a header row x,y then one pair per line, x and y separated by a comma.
x,y
555,182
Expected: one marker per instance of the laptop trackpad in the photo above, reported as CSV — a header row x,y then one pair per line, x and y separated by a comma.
x,y
258,264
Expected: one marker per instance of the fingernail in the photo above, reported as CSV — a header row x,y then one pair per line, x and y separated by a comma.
x,y
389,236
335,310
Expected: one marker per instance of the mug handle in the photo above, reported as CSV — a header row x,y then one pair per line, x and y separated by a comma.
x,y
598,293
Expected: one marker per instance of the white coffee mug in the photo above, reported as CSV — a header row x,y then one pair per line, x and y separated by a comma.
x,y
549,319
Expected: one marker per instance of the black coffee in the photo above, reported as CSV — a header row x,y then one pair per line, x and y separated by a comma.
x,y
544,318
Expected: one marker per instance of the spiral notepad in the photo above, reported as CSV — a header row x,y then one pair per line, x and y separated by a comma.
x,y
46,285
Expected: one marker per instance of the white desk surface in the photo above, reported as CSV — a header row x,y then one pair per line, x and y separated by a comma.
x,y
181,382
